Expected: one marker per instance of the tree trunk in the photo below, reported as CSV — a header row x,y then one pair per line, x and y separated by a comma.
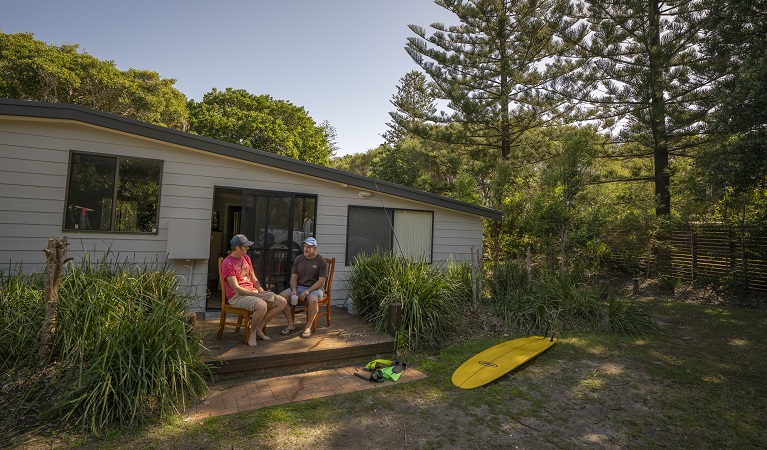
x,y
658,115
660,145
55,255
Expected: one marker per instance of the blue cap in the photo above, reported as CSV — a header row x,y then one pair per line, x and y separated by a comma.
x,y
311,241
240,239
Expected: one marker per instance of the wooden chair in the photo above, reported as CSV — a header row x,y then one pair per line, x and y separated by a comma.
x,y
243,315
325,300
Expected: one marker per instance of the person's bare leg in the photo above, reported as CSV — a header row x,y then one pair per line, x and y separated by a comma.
x,y
286,311
291,325
313,308
255,318
273,309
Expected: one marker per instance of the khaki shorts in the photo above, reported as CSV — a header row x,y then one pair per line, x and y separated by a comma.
x,y
248,302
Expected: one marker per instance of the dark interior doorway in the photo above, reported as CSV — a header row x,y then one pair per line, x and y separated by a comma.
x,y
277,223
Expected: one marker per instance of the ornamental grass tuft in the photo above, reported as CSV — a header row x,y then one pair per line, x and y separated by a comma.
x,y
531,304
122,350
431,297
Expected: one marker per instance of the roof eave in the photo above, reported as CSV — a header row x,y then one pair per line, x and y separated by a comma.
x,y
65,111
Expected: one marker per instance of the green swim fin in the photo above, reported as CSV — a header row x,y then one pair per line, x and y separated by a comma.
x,y
393,372
377,364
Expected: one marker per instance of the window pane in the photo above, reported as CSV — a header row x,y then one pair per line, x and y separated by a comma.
x,y
279,216
369,231
111,193
138,195
304,217
256,210
90,190
413,234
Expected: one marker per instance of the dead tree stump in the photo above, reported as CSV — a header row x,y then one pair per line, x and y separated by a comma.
x,y
55,255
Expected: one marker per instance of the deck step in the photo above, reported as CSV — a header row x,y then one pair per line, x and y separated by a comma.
x,y
349,337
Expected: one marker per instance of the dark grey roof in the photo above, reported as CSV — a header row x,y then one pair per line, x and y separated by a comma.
x,y
78,113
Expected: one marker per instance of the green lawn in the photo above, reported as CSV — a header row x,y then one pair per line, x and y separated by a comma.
x,y
699,381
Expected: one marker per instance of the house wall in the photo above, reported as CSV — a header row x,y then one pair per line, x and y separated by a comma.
x,y
34,156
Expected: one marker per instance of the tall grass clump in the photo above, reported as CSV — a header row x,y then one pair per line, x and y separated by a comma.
x,y
461,276
21,316
532,303
122,351
431,300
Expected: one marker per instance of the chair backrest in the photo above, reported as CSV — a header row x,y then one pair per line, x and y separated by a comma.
x,y
331,269
222,280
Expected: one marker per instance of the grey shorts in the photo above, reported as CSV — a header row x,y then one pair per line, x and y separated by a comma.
x,y
317,293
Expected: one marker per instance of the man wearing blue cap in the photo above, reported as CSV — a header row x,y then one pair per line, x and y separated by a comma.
x,y
243,289
307,279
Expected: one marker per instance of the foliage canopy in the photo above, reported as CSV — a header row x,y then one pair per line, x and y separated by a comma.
x,y
260,122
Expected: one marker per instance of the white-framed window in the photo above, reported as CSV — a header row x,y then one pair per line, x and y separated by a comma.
x,y
401,231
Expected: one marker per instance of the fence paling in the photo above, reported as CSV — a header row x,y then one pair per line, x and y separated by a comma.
x,y
723,253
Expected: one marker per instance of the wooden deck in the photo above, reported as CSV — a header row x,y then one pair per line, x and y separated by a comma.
x,y
347,338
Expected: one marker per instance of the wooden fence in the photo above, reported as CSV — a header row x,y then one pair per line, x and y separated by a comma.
x,y
721,255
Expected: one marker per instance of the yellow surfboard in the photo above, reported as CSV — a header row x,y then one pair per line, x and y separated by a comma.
x,y
499,360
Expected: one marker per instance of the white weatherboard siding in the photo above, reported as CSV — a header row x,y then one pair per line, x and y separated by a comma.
x,y
34,157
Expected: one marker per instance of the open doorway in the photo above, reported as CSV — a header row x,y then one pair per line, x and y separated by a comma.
x,y
277,223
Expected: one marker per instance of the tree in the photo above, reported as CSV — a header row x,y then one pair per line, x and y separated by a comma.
x,y
559,208
645,76
412,162
359,163
331,135
491,69
737,41
414,105
397,166
494,70
147,97
412,155
260,122
34,70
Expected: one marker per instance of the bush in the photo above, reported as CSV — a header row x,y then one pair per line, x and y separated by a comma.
x,y
21,316
431,298
556,301
122,350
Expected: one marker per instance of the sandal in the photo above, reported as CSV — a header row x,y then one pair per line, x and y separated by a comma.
x,y
306,334
287,331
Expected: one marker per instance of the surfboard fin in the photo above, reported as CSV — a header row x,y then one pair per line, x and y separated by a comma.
x,y
552,337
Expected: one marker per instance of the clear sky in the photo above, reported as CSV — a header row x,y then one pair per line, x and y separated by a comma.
x,y
339,59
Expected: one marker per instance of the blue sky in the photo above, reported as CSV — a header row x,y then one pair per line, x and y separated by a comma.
x,y
339,59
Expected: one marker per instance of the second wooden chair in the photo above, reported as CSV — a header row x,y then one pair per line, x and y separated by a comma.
x,y
324,301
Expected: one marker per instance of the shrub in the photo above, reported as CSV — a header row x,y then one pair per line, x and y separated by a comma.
x,y
431,299
21,316
122,350
557,301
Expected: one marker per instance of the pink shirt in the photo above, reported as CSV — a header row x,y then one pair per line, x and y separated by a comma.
x,y
240,268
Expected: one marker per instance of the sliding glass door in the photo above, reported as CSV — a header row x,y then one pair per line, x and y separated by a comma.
x,y
277,223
